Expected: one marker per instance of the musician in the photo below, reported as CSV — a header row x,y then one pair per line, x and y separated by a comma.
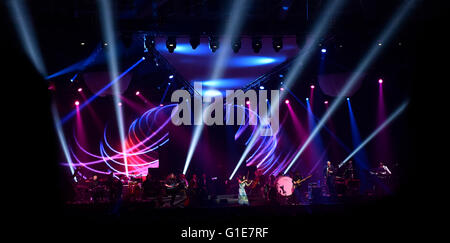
x,y
297,192
242,198
149,186
95,188
381,172
193,190
204,184
183,186
351,179
329,173
116,189
268,186
171,185
272,191
109,185
350,172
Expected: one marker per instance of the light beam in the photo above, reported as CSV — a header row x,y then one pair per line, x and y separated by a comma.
x,y
378,130
298,66
113,66
366,62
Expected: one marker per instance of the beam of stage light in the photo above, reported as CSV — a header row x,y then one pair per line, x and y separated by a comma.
x,y
382,143
329,130
394,115
298,64
232,29
361,157
79,66
366,62
25,30
97,94
165,93
62,138
107,23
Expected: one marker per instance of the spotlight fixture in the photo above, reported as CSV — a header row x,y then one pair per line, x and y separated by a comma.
x,y
325,102
312,86
194,40
77,103
261,87
323,50
171,76
213,43
171,43
138,93
286,101
80,89
277,43
380,81
256,44
150,42
236,45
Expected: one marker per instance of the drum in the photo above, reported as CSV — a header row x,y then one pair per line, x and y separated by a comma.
x,y
284,186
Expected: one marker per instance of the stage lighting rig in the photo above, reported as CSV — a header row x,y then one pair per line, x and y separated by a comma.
x,y
213,43
171,43
194,40
277,43
256,44
236,45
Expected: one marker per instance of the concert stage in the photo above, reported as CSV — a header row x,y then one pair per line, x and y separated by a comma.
x,y
214,111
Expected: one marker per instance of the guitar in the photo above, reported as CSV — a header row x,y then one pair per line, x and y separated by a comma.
x,y
299,181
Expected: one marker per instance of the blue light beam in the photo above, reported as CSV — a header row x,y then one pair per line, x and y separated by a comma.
x,y
298,65
378,130
369,58
93,97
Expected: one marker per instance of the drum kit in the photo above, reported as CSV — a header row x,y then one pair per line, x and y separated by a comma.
x,y
285,186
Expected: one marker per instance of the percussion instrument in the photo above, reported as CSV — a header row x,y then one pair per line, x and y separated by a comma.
x,y
284,185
